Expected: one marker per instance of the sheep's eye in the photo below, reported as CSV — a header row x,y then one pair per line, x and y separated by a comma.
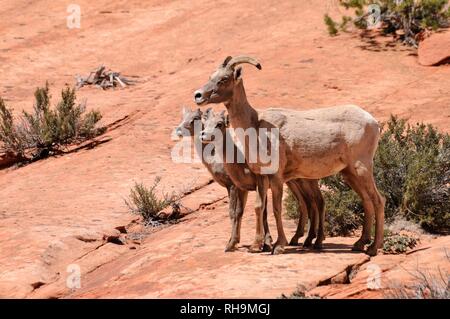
x,y
224,80
219,125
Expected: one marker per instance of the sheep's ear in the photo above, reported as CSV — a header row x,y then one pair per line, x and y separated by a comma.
x,y
199,112
186,109
238,74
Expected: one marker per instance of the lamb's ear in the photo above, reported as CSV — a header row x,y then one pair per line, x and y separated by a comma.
x,y
208,110
199,112
238,74
186,109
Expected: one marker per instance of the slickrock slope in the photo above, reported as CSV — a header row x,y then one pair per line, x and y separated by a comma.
x,y
57,212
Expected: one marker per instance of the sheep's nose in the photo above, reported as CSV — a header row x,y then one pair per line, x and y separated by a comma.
x,y
205,137
198,96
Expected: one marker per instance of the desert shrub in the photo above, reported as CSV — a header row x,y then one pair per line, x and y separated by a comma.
x,y
344,210
400,225
332,26
291,205
299,293
341,219
410,17
8,131
146,202
398,244
412,171
46,130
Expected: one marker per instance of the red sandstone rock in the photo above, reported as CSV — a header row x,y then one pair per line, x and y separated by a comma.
x,y
435,49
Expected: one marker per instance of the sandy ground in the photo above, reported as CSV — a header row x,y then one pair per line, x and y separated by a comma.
x,y
173,46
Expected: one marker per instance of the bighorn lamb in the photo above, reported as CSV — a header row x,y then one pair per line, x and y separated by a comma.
x,y
238,180
312,144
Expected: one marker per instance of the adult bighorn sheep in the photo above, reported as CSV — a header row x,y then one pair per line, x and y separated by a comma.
x,y
312,144
238,180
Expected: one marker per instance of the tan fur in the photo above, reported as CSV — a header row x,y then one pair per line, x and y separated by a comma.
x,y
313,144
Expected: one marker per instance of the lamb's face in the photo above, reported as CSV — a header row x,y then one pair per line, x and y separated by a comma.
x,y
214,126
190,120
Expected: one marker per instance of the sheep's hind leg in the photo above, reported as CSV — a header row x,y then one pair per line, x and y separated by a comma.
x,y
378,202
313,225
357,181
303,211
319,210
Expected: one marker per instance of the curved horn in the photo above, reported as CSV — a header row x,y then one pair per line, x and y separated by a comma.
x,y
225,62
243,59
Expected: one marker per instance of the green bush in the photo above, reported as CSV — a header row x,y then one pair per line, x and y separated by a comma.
x,y
398,244
344,217
331,25
412,17
145,201
9,136
412,171
291,205
344,210
47,130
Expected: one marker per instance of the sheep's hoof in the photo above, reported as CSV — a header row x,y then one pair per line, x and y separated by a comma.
x,y
267,247
372,250
255,248
308,242
231,246
359,245
278,250
318,246
294,241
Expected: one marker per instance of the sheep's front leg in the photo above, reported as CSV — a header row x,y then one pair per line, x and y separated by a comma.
x,y
262,184
277,196
238,199
268,243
